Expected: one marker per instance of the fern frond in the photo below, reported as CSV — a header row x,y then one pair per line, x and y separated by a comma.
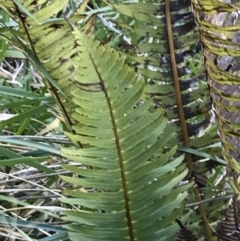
x,y
133,178
170,59
169,56
184,234
229,228
50,41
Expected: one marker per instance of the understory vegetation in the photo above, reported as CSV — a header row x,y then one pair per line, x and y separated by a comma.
x,y
119,120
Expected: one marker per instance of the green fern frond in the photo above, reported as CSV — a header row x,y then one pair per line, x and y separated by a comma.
x,y
50,42
168,55
170,59
132,177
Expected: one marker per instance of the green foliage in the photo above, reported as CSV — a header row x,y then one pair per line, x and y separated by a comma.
x,y
135,162
124,176
3,44
167,44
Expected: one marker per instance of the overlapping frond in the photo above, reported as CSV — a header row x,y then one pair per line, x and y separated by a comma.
x,y
220,36
170,58
131,194
50,41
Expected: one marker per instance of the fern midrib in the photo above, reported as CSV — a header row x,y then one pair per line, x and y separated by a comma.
x,y
51,87
175,77
124,184
182,116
